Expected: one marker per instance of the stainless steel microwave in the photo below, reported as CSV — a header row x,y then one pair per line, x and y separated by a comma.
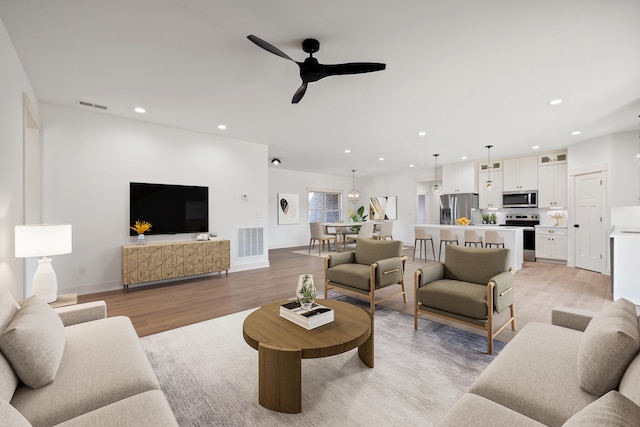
x,y
520,199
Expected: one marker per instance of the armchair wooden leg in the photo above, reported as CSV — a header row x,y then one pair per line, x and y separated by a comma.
x,y
416,284
513,316
404,291
490,317
372,290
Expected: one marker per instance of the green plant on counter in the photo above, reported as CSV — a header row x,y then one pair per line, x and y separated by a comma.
x,y
493,218
485,218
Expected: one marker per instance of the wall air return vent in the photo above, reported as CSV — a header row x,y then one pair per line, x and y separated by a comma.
x,y
91,104
250,241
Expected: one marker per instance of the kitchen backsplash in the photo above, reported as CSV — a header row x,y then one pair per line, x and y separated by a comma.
x,y
548,217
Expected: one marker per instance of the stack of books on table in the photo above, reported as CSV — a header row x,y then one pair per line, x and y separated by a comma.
x,y
318,315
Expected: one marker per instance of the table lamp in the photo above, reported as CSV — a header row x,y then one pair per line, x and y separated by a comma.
x,y
43,241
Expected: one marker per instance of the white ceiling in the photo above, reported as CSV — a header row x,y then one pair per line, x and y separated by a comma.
x,y
468,72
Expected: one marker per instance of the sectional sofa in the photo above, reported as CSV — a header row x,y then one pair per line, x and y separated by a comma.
x,y
583,369
74,367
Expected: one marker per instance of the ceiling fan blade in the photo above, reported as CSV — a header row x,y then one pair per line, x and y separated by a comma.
x,y
299,93
353,68
268,47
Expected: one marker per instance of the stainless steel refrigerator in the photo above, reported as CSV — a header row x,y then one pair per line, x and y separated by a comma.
x,y
454,206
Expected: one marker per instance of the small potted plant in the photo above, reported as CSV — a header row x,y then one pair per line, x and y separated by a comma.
x,y
485,218
493,218
141,227
306,291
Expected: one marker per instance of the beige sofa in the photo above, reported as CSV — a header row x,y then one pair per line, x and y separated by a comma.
x,y
583,369
74,367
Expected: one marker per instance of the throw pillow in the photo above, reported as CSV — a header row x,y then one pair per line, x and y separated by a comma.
x,y
8,309
607,346
33,343
611,410
11,416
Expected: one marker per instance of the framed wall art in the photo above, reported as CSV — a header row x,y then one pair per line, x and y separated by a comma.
x,y
288,209
383,208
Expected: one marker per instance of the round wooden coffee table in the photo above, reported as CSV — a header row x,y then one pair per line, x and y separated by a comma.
x,y
282,345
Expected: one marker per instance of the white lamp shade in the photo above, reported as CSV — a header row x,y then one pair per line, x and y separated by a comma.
x,y
42,240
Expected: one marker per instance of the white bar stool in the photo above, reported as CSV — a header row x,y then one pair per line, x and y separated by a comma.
x,y
446,237
472,238
493,238
422,236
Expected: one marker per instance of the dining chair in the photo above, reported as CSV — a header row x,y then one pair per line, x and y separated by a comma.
x,y
386,231
366,232
317,234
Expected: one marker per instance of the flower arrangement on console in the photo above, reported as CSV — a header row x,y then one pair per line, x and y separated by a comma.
x,y
141,227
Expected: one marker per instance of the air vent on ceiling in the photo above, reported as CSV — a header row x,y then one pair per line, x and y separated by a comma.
x,y
90,104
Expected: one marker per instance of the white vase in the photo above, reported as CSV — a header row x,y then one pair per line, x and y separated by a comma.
x,y
141,240
306,291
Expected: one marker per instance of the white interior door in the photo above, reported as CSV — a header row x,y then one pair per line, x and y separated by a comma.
x,y
590,236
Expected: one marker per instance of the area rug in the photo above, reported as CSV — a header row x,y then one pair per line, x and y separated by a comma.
x,y
210,375
314,252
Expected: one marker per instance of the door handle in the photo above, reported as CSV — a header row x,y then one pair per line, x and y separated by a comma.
x,y
576,225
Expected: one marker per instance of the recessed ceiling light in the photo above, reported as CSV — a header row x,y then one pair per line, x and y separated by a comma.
x,y
347,151
380,158
411,166
222,127
463,158
422,133
535,147
555,101
576,132
140,110
275,161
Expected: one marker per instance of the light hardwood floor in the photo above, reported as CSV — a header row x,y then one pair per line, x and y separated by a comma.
x,y
154,308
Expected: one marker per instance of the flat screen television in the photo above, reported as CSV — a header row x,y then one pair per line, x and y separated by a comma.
x,y
170,209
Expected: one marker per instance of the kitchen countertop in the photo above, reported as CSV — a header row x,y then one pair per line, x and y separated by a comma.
x,y
626,231
470,226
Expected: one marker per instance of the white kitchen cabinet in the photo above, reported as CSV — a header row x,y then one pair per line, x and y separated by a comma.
x,y
552,243
547,159
552,186
520,174
490,199
460,178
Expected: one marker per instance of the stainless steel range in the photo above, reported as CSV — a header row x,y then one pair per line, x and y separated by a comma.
x,y
527,222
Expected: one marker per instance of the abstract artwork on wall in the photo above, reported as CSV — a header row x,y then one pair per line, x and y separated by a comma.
x,y
288,208
383,208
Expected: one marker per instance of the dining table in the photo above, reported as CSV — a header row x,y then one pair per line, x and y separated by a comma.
x,y
340,227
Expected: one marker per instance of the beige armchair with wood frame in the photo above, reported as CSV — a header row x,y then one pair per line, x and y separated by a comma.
x,y
470,287
375,264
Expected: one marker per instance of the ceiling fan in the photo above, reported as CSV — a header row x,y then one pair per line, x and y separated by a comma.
x,y
311,70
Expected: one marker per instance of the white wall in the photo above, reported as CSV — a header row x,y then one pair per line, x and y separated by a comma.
x,y
90,158
403,186
613,154
13,82
294,182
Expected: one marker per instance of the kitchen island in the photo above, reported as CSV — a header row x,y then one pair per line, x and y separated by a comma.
x,y
625,246
513,238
